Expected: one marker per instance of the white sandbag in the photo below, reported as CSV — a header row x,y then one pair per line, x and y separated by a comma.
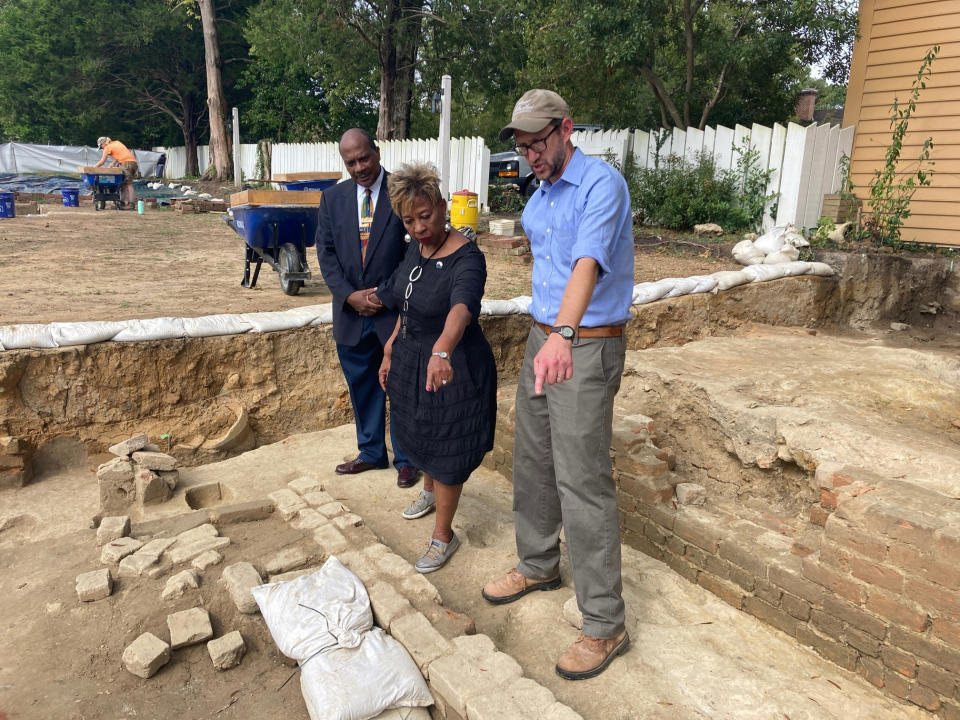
x,y
727,279
647,292
84,333
746,253
26,336
704,283
797,267
820,268
210,325
681,286
762,273
500,307
417,713
349,669
150,329
267,321
523,302
796,239
772,239
788,253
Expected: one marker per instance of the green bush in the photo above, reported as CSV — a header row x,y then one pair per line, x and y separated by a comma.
x,y
679,194
505,198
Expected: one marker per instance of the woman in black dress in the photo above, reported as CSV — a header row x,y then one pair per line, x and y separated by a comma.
x,y
438,368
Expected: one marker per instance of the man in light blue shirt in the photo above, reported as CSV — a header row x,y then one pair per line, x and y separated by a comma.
x,y
579,224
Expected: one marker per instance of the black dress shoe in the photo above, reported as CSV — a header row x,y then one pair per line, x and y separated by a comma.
x,y
356,466
407,476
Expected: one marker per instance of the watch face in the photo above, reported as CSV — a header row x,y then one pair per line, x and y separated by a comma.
x,y
565,331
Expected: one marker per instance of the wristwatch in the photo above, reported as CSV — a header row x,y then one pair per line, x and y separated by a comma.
x,y
441,354
564,331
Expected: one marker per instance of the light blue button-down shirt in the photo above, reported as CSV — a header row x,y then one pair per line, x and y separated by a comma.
x,y
586,213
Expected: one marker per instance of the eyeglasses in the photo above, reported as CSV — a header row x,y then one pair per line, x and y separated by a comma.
x,y
537,146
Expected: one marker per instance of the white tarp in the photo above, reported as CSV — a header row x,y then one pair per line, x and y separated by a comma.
x,y
26,158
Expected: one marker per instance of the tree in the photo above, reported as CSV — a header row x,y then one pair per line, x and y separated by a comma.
x,y
693,55
221,163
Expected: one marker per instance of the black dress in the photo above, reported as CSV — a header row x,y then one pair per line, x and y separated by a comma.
x,y
445,433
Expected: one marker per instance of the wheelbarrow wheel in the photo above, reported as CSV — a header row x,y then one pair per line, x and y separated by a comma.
x,y
289,261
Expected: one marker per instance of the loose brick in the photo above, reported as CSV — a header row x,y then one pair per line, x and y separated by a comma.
x,y
771,615
897,660
420,638
842,655
897,612
178,584
330,539
289,558
796,607
94,585
125,448
387,604
698,530
835,581
288,502
115,550
227,651
466,673
189,627
154,460
728,592
250,511
855,616
648,487
866,544
305,484
145,655
938,680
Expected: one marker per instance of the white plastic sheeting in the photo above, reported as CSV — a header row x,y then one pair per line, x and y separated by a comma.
x,y
61,334
349,669
26,158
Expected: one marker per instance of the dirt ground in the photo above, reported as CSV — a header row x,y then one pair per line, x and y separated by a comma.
x,y
74,264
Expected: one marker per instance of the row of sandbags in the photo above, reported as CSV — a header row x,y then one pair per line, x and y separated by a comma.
x,y
60,334
779,244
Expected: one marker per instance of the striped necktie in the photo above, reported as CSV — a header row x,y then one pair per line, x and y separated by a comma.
x,y
366,222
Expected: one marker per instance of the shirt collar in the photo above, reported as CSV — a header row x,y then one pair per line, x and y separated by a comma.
x,y
573,172
375,188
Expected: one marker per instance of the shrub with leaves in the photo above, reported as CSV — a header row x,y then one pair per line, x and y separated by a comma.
x,y
505,198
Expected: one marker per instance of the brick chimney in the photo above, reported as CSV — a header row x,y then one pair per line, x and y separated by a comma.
x,y
805,104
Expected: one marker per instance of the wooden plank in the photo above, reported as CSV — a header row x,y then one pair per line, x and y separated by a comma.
x,y
89,169
791,173
276,197
296,176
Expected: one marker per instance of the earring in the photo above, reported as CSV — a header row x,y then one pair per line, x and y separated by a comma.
x,y
447,227
407,238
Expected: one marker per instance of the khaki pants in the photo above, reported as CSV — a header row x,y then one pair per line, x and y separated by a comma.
x,y
563,478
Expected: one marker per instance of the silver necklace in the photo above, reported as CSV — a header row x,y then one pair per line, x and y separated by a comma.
x,y
415,273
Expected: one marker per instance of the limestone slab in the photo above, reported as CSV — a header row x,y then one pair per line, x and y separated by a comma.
x,y
287,559
347,521
207,559
145,655
131,445
154,460
188,627
305,484
227,651
113,527
115,550
94,585
239,578
178,584
329,539
421,639
182,553
288,503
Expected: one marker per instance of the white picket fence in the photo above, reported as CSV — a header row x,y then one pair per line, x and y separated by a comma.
x,y
805,160
469,160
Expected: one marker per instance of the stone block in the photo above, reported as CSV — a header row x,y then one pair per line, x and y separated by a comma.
x,y
182,553
521,698
420,638
239,578
136,564
178,584
361,565
387,604
227,651
113,527
394,566
331,510
458,677
188,627
305,484
115,550
94,585
317,498
308,519
288,503
559,711
206,559
329,539
289,558
145,655
416,587
116,485
347,521
199,532
726,591
127,447
154,460
294,574
250,511
691,494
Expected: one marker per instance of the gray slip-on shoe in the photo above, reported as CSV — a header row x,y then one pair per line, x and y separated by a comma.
x,y
437,554
421,506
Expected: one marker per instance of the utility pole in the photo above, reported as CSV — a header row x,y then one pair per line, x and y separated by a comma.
x,y
445,86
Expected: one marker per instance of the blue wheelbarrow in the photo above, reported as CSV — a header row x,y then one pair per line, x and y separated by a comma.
x,y
278,235
105,187
306,180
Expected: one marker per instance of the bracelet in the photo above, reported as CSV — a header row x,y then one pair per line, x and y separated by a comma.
x,y
443,355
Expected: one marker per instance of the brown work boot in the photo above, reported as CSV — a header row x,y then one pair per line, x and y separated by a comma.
x,y
589,656
514,586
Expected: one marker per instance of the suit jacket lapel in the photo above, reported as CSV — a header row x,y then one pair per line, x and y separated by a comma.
x,y
350,228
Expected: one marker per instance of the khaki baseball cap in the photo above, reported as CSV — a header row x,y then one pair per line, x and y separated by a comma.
x,y
101,141
534,111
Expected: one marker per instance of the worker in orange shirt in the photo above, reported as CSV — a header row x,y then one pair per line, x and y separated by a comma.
x,y
128,163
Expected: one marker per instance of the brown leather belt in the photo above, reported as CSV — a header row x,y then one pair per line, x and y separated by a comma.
x,y
590,332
